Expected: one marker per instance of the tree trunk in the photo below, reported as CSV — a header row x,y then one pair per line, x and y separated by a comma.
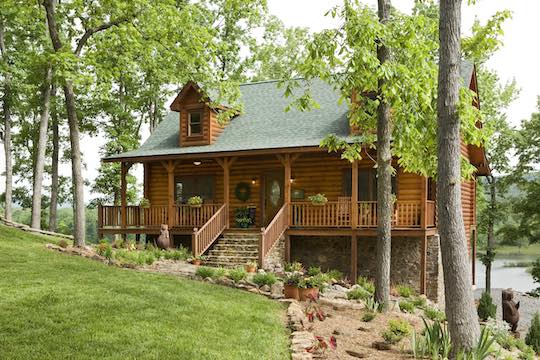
x,y
41,148
53,220
490,228
460,311
74,134
6,110
384,180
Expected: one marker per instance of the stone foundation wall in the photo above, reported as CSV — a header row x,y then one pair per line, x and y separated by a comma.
x,y
275,260
435,279
328,252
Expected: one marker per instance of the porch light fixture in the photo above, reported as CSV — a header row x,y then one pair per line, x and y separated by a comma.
x,y
291,180
253,181
196,163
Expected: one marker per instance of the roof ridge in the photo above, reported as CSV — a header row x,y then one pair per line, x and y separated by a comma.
x,y
269,81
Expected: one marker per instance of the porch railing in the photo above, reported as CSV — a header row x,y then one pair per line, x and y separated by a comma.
x,y
408,214
431,213
331,214
188,216
111,216
271,234
204,237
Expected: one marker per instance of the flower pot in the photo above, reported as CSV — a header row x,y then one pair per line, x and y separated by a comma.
x,y
196,206
291,292
197,262
251,269
318,204
305,293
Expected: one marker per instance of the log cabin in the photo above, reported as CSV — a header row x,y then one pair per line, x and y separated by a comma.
x,y
264,165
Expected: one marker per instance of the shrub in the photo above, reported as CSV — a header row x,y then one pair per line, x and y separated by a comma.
x,y
181,253
358,293
309,282
205,272
434,314
533,336
482,350
419,302
433,343
293,279
406,306
262,279
118,243
404,291
219,273
397,330
368,316
237,274
335,275
486,308
105,249
314,270
372,305
294,266
63,243
149,257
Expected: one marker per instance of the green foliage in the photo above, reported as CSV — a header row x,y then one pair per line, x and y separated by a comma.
x,y
195,200
406,306
535,270
434,314
308,282
294,266
405,291
419,302
433,342
486,308
368,316
319,199
237,274
219,273
482,350
533,336
372,305
358,293
335,274
63,243
181,253
205,272
366,284
262,279
314,270
105,249
397,330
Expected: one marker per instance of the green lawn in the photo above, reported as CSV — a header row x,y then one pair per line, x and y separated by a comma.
x,y
533,250
56,306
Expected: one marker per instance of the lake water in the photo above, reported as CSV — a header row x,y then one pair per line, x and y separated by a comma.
x,y
503,277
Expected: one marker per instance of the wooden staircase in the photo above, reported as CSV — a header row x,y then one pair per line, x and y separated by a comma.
x,y
235,248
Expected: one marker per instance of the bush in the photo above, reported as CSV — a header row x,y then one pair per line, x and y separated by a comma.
x,y
486,308
358,294
104,249
533,336
63,243
367,284
335,275
397,330
405,291
368,316
237,274
419,302
406,306
434,342
434,314
219,273
295,266
205,272
262,279
181,253
372,305
314,270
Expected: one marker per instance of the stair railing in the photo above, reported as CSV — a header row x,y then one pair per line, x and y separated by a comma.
x,y
273,232
205,236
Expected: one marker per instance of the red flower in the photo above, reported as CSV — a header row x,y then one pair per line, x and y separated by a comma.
x,y
333,342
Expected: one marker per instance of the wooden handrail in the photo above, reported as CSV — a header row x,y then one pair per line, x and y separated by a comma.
x,y
331,214
273,232
189,216
205,236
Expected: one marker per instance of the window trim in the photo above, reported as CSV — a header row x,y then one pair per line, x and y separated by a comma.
x,y
189,113
196,178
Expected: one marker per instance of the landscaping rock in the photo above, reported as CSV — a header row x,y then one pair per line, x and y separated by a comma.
x,y
381,345
253,290
208,279
277,288
265,288
340,304
301,340
355,354
297,318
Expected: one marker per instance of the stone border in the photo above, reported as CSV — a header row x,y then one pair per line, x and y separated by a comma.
x,y
27,228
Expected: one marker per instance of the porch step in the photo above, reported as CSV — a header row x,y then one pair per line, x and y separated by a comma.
x,y
234,248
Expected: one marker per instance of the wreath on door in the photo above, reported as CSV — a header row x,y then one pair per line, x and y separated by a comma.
x,y
243,191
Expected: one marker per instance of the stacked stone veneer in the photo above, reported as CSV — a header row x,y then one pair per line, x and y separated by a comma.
x,y
334,252
275,259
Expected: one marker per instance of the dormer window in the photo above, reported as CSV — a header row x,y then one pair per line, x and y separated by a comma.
x,y
194,123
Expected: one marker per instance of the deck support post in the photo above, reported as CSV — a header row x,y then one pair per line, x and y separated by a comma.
x,y
423,264
226,164
354,194
354,257
123,198
423,203
170,166
287,160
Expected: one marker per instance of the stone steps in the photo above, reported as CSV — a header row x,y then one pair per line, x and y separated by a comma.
x,y
234,249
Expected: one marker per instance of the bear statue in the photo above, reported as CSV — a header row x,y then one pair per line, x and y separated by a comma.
x,y
510,309
164,241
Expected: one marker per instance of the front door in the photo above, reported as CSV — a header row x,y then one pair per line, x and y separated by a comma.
x,y
273,195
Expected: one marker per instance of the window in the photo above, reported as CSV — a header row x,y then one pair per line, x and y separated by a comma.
x,y
188,186
194,123
367,184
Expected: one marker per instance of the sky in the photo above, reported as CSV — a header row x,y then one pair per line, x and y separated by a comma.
x,y
517,59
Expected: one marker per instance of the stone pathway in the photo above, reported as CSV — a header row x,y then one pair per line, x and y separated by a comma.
x,y
527,307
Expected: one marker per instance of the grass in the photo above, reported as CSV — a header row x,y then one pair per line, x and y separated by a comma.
x,y
533,250
56,306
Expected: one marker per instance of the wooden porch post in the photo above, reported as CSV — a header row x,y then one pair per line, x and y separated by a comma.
x,y
287,179
226,164
123,198
354,195
287,248
423,203
423,264
146,184
170,192
354,257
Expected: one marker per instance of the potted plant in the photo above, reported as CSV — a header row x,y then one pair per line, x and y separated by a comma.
x,y
318,199
309,287
197,260
251,267
195,201
290,289
243,218
144,203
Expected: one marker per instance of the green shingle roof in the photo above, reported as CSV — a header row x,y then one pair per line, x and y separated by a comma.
x,y
264,124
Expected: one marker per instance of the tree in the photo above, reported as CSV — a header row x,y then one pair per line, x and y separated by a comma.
x,y
462,321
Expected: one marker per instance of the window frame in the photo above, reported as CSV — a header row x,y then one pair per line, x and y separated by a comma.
x,y
189,113
210,195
